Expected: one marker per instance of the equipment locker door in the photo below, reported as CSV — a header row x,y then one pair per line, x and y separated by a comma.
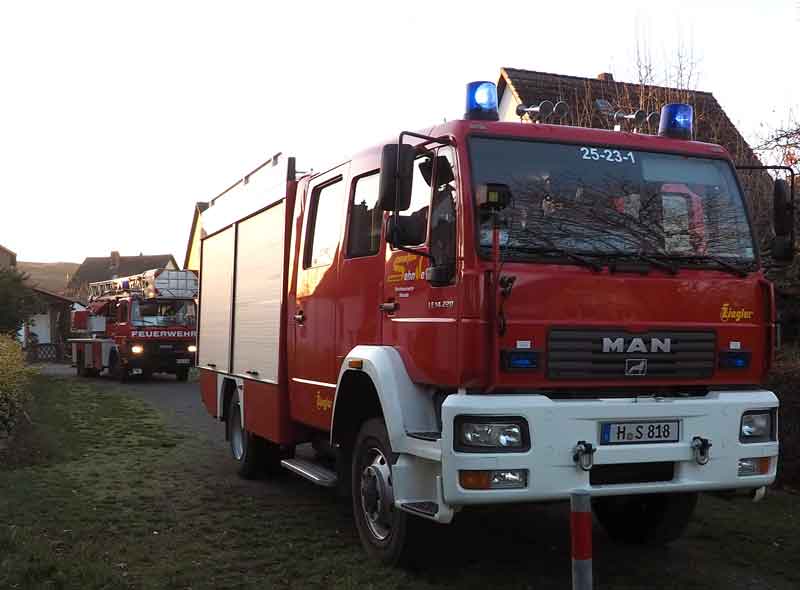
x,y
312,368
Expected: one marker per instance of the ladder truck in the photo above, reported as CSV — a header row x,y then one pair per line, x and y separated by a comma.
x,y
138,325
489,312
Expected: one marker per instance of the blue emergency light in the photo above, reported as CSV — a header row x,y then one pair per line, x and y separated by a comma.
x,y
482,101
676,121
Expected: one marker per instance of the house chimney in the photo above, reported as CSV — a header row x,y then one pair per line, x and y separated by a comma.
x,y
605,76
114,264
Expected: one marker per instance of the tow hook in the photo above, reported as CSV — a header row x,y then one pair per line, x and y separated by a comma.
x,y
583,455
701,447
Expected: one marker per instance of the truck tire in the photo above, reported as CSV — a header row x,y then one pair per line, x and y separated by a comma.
x,y
256,456
387,534
651,519
182,375
80,370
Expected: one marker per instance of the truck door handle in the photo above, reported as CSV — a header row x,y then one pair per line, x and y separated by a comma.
x,y
388,307
300,317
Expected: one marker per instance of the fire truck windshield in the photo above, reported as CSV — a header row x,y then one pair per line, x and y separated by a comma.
x,y
611,201
163,313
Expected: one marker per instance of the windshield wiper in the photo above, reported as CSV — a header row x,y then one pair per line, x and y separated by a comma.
x,y
670,267
729,266
553,249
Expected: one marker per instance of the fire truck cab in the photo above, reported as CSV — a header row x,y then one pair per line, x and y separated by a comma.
x,y
489,312
138,325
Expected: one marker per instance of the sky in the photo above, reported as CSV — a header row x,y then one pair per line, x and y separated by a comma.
x,y
116,117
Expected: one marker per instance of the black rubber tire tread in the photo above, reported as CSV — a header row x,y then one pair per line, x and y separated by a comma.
x,y
411,535
650,519
261,457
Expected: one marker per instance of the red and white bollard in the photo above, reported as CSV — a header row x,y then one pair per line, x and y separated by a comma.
x,y
581,531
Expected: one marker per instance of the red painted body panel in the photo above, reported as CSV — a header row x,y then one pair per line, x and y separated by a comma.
x,y
208,391
267,411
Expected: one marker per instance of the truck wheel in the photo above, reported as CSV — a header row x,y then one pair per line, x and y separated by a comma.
x,y
182,374
651,519
254,454
389,535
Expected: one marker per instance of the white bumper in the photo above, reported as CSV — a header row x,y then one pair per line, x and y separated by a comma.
x,y
556,426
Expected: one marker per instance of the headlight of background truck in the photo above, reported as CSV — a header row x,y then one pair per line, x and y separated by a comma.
x,y
191,348
137,349
757,426
491,434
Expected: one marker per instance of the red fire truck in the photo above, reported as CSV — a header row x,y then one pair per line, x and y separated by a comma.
x,y
138,325
489,312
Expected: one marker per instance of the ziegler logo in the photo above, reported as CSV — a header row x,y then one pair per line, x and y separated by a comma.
x,y
636,345
728,314
324,404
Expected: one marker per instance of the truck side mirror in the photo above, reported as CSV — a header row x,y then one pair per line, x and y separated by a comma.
x,y
782,208
783,221
394,192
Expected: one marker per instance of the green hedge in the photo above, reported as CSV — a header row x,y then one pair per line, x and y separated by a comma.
x,y
14,384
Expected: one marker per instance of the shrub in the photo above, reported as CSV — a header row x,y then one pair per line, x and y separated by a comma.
x,y
14,382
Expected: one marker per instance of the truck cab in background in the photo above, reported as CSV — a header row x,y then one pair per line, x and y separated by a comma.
x,y
486,313
138,325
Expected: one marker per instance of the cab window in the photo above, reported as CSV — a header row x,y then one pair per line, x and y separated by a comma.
x,y
324,224
415,223
366,218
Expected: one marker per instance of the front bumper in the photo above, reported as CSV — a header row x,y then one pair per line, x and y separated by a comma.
x,y
556,426
162,358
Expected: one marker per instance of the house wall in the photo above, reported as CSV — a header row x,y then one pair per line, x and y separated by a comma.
x,y
193,262
7,259
40,325
507,109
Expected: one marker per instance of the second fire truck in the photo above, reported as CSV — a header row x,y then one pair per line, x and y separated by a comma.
x,y
138,325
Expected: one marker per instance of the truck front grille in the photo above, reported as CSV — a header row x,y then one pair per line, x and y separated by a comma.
x,y
617,354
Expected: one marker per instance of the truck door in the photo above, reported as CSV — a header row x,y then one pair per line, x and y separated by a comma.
x,y
420,316
312,367
358,319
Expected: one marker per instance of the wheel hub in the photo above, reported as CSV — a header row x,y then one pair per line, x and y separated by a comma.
x,y
377,495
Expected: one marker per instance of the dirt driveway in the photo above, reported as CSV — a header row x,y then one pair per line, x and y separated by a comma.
x,y
181,518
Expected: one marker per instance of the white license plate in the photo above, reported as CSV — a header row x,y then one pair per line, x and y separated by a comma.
x,y
619,433
183,361
136,371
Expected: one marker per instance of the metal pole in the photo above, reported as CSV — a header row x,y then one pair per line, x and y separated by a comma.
x,y
581,532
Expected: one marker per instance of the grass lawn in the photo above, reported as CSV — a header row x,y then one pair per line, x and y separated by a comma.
x,y
99,493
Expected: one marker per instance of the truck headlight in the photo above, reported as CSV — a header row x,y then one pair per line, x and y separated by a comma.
x,y
756,426
191,348
137,349
490,434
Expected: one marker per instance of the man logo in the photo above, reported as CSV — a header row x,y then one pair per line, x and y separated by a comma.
x,y
635,367
637,345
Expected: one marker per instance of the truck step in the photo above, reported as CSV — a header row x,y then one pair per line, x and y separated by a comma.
x,y
431,436
314,472
427,509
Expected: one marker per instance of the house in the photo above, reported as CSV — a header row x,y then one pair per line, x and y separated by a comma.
x,y
712,124
44,334
95,269
196,233
7,258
